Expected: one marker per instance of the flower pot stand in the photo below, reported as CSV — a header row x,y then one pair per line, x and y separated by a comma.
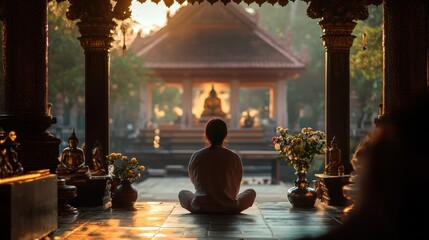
x,y
91,192
332,189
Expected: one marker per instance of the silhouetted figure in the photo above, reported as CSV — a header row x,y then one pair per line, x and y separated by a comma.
x,y
216,173
393,178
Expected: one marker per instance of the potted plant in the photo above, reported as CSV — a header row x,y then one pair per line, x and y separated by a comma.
x,y
124,172
298,150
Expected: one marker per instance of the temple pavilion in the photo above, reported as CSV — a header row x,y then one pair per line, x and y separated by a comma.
x,y
220,51
206,47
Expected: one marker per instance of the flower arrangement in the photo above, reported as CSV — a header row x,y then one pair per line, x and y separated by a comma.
x,y
299,149
124,169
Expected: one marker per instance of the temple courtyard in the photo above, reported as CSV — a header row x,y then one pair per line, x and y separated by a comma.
x,y
158,215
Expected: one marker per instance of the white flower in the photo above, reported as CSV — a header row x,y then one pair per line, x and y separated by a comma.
x,y
299,149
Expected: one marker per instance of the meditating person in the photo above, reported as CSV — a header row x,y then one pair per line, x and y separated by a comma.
x,y
216,173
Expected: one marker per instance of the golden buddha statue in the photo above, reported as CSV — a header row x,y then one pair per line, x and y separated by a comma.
x,y
213,106
72,160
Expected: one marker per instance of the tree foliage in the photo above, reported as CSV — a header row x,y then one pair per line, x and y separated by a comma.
x,y
302,35
66,72
366,61
166,101
127,77
291,24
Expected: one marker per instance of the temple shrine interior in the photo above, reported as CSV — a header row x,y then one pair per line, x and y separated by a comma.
x,y
218,63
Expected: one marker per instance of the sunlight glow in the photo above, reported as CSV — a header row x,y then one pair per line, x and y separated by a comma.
x,y
203,91
151,16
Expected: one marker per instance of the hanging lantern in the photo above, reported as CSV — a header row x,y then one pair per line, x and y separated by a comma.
x,y
124,46
364,41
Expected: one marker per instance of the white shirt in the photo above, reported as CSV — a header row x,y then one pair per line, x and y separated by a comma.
x,y
216,174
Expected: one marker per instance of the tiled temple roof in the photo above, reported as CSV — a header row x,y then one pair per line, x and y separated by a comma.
x,y
205,36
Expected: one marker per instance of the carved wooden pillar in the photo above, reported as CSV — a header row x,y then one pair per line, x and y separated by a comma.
x,y
25,59
235,104
337,40
96,27
186,120
405,51
96,41
337,24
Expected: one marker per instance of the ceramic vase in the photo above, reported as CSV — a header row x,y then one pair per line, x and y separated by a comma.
x,y
124,196
301,195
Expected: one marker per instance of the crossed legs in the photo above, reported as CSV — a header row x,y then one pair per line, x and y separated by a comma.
x,y
245,199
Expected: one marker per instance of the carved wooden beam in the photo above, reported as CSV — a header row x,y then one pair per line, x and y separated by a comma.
x,y
282,3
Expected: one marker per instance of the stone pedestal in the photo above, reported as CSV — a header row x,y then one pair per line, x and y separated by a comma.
x,y
332,189
65,194
28,206
91,192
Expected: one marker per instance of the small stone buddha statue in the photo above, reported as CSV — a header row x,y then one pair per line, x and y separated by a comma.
x,y
9,164
72,160
213,106
97,161
248,120
335,166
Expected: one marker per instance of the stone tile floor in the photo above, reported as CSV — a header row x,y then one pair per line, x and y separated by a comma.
x,y
166,219
167,188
